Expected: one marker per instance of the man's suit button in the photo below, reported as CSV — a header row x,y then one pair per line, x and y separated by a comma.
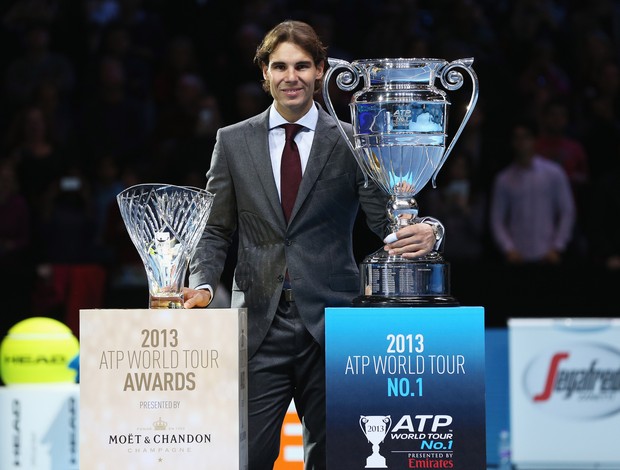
x,y
280,278
288,242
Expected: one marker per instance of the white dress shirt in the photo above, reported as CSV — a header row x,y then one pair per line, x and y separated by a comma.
x,y
303,139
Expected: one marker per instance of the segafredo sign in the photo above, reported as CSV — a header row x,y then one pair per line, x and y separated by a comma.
x,y
565,392
577,380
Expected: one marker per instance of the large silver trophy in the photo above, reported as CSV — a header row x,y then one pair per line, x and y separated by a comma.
x,y
399,140
165,223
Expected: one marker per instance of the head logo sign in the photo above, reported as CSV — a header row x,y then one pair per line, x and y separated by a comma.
x,y
581,381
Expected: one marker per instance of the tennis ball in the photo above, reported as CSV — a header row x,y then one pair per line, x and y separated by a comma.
x,y
38,350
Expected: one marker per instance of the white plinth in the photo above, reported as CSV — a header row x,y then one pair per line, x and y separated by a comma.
x,y
163,389
565,393
39,427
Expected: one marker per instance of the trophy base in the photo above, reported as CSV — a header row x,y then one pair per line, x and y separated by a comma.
x,y
166,301
376,461
420,301
394,281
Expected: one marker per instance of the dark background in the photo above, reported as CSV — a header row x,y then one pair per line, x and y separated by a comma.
x,y
98,95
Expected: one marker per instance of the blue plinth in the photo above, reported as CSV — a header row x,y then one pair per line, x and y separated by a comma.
x,y
405,388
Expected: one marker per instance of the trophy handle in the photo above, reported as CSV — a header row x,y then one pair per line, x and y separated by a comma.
x,y
347,80
361,421
452,80
388,422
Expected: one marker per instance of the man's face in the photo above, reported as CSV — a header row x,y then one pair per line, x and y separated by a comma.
x,y
523,143
291,75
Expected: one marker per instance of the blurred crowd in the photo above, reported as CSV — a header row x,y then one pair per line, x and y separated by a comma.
x,y
97,95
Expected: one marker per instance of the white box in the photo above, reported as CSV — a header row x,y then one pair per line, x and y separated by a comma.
x,y
163,389
565,393
39,427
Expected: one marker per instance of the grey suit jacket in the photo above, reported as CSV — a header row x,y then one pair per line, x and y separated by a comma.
x,y
316,246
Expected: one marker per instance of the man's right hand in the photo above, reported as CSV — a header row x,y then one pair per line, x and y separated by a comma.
x,y
196,298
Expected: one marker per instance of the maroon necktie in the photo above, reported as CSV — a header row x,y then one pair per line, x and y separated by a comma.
x,y
290,170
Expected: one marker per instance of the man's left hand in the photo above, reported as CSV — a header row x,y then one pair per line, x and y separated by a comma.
x,y
413,241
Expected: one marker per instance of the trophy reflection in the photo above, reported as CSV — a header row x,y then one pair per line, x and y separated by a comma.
x,y
399,140
375,428
165,223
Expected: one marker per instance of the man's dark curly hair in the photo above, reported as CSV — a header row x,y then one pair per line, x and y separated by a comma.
x,y
298,33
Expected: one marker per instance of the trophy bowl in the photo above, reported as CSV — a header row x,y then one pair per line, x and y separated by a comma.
x,y
399,119
165,223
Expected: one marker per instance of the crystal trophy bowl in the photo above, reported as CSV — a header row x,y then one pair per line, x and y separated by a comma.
x,y
400,142
165,223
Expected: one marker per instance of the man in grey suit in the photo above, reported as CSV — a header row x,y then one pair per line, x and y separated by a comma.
x,y
287,272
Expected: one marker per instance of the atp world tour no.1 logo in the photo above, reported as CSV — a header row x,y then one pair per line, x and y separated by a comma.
x,y
375,428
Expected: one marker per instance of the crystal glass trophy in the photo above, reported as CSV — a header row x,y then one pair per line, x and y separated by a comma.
x,y
400,141
165,223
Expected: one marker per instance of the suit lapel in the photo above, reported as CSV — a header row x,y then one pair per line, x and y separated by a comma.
x,y
324,141
258,148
